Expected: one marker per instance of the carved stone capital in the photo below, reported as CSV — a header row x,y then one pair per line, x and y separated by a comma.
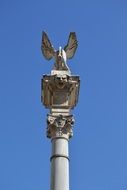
x,y
60,126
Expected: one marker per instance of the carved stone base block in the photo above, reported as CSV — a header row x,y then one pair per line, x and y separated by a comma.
x,y
60,91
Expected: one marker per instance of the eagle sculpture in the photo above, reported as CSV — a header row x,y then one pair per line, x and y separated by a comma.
x,y
61,55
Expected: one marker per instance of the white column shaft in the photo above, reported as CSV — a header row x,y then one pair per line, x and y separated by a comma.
x,y
59,164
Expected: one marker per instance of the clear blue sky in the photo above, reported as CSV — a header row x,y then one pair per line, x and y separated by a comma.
x,y
98,150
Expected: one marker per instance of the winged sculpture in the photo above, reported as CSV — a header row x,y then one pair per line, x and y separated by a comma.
x,y
60,55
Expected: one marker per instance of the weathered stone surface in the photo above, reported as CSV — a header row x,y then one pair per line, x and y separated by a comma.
x,y
60,126
60,91
60,55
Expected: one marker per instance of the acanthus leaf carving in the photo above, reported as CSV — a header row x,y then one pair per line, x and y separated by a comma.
x,y
60,126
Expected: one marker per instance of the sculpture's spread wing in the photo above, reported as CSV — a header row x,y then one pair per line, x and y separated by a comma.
x,y
46,47
71,46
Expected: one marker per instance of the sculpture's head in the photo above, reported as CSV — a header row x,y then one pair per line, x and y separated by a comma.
x,y
60,57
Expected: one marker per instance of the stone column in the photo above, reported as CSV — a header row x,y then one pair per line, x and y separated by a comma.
x,y
60,95
59,164
59,130
60,92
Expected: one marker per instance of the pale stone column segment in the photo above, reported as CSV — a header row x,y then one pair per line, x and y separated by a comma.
x,y
59,129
